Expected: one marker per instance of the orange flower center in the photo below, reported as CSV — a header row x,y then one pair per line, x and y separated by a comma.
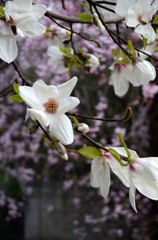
x,y
51,106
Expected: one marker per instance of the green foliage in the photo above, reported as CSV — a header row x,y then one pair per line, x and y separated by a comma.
x,y
132,48
121,56
16,87
85,6
16,98
124,145
145,40
115,154
85,17
2,13
75,120
90,152
155,21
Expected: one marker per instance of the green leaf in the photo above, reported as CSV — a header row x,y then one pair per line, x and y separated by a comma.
x,y
16,87
115,154
85,17
115,53
155,21
132,48
90,152
125,57
2,12
16,98
75,120
85,6
145,40
124,145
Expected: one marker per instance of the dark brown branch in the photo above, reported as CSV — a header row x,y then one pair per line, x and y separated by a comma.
x,y
64,18
126,116
23,77
52,15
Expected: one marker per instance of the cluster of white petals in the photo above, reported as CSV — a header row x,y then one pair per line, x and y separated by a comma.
x,y
48,105
21,16
141,72
138,15
140,174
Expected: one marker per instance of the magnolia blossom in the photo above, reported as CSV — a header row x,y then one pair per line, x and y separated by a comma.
x,y
21,16
119,78
138,14
140,174
58,57
138,73
48,105
100,175
142,72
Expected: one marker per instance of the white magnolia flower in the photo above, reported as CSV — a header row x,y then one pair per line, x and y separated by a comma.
x,y
138,14
57,57
48,105
142,73
140,174
139,73
100,175
24,15
21,16
119,78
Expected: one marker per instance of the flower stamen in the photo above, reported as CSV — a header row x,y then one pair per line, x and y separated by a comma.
x,y
51,106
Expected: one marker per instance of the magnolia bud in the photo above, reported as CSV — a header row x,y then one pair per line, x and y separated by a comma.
x,y
98,22
64,156
83,128
60,148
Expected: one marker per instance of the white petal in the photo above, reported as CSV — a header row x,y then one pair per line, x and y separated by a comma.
x,y
122,6
66,104
95,170
38,115
149,166
142,73
104,180
44,92
30,27
131,18
55,54
61,127
122,172
66,88
29,96
100,175
144,184
23,4
146,31
119,81
132,191
8,48
39,10
148,15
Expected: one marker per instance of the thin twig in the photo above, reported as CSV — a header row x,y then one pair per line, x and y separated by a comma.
x,y
98,145
23,77
126,116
